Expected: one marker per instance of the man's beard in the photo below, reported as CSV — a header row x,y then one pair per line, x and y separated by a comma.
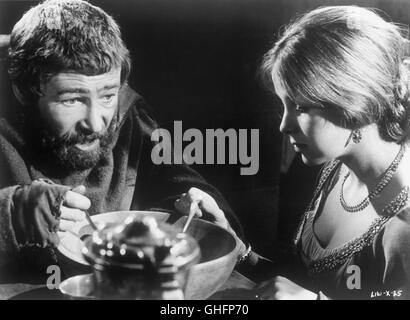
x,y
64,151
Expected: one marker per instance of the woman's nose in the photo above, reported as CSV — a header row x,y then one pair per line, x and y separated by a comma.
x,y
288,123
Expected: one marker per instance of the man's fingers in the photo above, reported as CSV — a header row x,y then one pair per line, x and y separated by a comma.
x,y
72,214
77,201
61,234
66,225
80,189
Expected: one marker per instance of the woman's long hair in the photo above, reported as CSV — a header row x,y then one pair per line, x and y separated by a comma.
x,y
348,59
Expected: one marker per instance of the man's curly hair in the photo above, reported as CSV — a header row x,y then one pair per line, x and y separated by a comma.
x,y
64,35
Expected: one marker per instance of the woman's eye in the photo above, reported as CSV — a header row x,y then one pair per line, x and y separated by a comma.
x,y
302,109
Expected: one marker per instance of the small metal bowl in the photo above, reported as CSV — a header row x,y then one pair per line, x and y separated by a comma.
x,y
78,288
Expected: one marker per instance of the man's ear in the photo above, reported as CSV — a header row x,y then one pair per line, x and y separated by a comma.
x,y
18,94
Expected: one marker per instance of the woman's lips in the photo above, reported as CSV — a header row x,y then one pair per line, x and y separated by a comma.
x,y
298,146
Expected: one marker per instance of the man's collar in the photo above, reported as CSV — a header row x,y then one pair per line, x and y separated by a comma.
x,y
127,97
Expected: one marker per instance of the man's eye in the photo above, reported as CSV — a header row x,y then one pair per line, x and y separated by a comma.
x,y
70,102
108,98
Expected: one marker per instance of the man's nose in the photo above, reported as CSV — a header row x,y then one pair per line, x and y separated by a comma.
x,y
288,123
94,120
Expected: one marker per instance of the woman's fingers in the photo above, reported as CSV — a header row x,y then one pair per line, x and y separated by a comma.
x,y
281,288
208,205
199,202
186,204
267,290
194,209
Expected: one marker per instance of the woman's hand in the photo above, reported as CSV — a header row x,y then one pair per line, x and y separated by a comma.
x,y
204,205
281,288
200,202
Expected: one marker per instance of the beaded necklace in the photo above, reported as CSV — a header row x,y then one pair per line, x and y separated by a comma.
x,y
341,254
385,179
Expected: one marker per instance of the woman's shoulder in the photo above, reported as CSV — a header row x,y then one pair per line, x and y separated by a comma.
x,y
400,222
396,234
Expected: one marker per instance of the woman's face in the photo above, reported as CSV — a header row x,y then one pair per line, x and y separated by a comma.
x,y
312,130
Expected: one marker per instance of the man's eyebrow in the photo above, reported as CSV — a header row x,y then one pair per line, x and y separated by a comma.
x,y
109,87
82,90
71,90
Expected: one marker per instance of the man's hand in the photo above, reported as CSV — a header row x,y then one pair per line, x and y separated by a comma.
x,y
73,207
43,210
281,288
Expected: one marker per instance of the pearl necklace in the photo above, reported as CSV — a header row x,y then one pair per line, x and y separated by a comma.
x,y
377,189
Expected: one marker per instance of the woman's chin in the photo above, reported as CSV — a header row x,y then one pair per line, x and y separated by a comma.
x,y
313,161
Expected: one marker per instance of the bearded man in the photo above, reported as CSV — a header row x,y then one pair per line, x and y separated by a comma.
x,y
78,137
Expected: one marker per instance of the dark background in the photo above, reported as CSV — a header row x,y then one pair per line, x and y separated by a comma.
x,y
197,61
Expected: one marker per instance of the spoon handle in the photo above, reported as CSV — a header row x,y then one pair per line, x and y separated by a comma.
x,y
90,221
192,211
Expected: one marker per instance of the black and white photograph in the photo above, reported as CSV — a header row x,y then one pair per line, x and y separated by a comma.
x,y
209,150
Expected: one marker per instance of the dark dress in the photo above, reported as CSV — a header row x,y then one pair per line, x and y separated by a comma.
x,y
375,265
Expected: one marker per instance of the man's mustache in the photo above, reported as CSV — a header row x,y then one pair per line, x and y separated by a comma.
x,y
78,135
81,137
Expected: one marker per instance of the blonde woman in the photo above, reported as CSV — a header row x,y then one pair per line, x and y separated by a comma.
x,y
342,77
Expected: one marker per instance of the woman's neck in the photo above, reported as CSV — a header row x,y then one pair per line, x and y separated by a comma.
x,y
369,159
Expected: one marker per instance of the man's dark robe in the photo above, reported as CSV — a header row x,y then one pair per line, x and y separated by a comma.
x,y
125,179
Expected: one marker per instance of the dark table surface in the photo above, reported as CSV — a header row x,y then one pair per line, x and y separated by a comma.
x,y
237,287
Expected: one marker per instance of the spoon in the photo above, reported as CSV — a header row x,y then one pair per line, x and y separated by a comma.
x,y
90,221
192,210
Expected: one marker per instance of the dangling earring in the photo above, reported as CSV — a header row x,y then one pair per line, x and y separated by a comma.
x,y
356,135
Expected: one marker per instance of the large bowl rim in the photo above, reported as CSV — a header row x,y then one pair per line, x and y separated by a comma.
x,y
79,225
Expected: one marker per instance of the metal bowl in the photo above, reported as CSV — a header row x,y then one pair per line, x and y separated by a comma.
x,y
219,250
78,288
